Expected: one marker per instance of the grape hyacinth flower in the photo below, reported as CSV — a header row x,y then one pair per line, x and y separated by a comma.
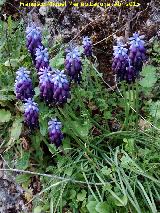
x,y
137,51
120,60
31,113
130,75
61,87
34,39
73,64
23,84
87,46
55,134
42,58
46,85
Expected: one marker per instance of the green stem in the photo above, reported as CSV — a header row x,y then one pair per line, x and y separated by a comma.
x,y
137,105
125,125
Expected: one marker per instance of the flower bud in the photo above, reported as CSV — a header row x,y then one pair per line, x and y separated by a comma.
x,y
42,58
137,51
34,39
61,87
120,60
23,84
130,75
46,85
31,113
87,46
55,134
73,64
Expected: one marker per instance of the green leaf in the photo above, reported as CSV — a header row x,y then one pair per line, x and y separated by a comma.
x,y
82,129
82,195
12,63
5,98
72,194
155,109
37,91
5,116
149,76
123,202
68,171
23,162
38,209
91,206
66,144
9,24
22,178
58,61
16,129
103,207
43,127
107,115
52,148
106,171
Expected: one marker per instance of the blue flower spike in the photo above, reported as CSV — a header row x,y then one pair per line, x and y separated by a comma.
x,y
73,64
55,134
23,84
31,113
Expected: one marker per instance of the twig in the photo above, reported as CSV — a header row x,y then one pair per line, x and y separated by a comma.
x,y
52,176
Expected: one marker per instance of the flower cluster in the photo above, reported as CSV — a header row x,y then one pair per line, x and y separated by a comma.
x,y
127,64
53,84
137,51
120,60
23,84
61,87
55,134
73,64
87,46
31,113
42,58
46,85
34,39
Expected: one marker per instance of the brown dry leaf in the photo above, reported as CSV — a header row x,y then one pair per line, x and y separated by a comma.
x,y
28,195
25,143
144,125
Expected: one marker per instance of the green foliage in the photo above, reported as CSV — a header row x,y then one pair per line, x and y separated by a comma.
x,y
155,109
23,162
58,61
155,51
5,116
91,206
99,168
16,128
149,76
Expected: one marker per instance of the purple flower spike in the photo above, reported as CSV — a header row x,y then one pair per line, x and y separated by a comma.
x,y
73,64
23,84
120,60
31,113
46,85
34,39
137,51
42,58
61,87
55,134
87,45
130,75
